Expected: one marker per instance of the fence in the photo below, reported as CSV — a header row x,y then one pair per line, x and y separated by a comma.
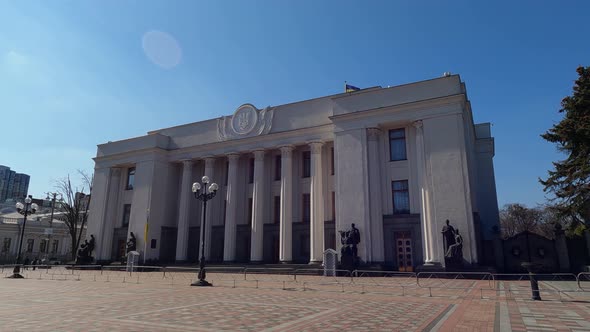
x,y
558,286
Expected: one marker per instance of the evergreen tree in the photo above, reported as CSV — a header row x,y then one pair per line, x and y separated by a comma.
x,y
569,181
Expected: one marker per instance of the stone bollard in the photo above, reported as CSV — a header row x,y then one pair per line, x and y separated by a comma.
x,y
533,268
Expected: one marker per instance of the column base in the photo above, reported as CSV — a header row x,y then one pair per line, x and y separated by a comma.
x,y
201,283
15,276
257,262
430,267
286,262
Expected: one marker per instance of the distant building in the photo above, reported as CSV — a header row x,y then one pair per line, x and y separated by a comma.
x,y
12,184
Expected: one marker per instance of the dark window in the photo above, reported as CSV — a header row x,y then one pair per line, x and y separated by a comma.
x,y
126,214
154,244
333,205
6,245
278,167
43,245
397,144
226,172
306,164
130,178
401,197
306,208
249,211
277,210
30,244
251,174
224,210
332,160
54,246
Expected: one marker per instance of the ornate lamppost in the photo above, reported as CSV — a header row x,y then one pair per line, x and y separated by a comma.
x,y
203,194
53,197
25,209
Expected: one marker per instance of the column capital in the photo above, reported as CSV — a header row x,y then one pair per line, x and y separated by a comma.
x,y
417,124
233,156
286,150
373,134
116,171
259,154
187,162
209,161
316,147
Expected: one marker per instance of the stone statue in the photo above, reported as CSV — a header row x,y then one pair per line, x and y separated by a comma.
x,y
84,253
455,251
132,243
91,244
448,232
349,251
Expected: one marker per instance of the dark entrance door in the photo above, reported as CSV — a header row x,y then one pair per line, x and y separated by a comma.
x,y
168,245
403,249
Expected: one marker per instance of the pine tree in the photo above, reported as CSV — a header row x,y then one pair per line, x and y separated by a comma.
x,y
569,181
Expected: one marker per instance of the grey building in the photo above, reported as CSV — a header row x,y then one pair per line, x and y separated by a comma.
x,y
12,184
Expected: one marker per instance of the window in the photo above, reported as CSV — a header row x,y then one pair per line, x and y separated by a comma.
x,y
226,172
333,205
6,244
306,164
130,178
332,160
43,245
278,167
249,211
54,246
401,197
30,244
251,175
277,210
397,144
306,208
126,214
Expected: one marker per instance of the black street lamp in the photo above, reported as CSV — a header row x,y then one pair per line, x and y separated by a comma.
x,y
25,209
53,197
203,194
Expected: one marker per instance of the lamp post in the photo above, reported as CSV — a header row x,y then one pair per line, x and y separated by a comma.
x,y
203,194
53,197
25,209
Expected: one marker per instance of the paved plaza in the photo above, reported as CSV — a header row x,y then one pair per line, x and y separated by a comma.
x,y
62,300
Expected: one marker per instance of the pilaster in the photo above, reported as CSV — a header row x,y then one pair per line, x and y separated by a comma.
x,y
317,204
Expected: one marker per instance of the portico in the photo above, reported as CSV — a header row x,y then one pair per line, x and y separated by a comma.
x,y
291,176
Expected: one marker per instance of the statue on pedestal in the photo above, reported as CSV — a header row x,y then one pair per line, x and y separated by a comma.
x,y
132,243
349,251
84,255
453,246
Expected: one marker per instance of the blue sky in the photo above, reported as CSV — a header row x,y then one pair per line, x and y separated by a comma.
x,y
74,74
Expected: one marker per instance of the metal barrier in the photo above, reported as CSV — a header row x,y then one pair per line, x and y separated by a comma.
x,y
450,280
583,277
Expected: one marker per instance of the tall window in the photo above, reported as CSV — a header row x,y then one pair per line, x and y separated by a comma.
x,y
401,197
334,206
249,211
30,244
130,178
332,160
226,172
251,174
306,208
126,214
278,166
397,144
306,164
54,246
43,245
6,244
277,210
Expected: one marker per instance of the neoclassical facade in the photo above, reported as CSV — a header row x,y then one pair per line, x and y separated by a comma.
x,y
395,161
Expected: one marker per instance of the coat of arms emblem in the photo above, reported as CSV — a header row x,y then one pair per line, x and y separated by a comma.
x,y
246,121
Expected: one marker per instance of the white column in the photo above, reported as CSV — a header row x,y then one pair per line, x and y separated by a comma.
x,y
286,226
256,246
229,241
427,228
183,210
375,229
209,168
317,204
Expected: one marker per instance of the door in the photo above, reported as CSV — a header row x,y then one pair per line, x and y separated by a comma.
x,y
403,248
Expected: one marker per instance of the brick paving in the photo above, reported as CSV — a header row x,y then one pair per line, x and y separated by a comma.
x,y
89,301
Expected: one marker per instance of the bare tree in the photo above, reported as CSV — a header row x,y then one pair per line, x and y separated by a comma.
x,y
516,218
75,207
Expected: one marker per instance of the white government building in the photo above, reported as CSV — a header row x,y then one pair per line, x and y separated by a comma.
x,y
395,161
